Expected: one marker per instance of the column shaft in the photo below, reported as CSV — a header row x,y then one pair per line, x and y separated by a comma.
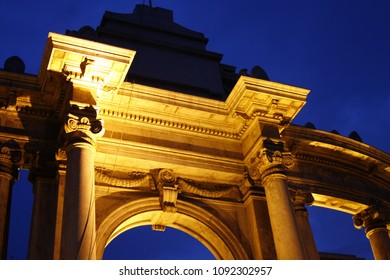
x,y
307,236
287,239
300,199
380,243
79,230
43,222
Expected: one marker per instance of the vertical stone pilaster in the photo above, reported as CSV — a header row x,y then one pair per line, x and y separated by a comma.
x,y
61,178
78,228
259,227
10,154
269,166
300,200
373,219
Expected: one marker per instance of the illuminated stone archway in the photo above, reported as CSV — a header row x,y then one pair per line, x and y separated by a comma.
x,y
196,222
110,149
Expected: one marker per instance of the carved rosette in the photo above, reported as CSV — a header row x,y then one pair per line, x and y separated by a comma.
x,y
83,127
10,156
169,190
371,218
268,162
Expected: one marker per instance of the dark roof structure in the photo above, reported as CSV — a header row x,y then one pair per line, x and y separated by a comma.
x,y
168,55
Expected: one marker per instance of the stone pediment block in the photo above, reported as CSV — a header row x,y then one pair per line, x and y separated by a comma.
x,y
92,67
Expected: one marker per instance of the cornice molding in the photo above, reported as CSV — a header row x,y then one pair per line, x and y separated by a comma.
x,y
142,118
307,137
271,102
343,165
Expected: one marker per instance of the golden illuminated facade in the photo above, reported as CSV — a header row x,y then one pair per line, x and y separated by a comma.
x,y
174,139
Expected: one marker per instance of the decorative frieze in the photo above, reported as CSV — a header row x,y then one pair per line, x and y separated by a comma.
x,y
134,179
166,177
209,191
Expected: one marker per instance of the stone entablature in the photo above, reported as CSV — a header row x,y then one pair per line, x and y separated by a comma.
x,y
158,110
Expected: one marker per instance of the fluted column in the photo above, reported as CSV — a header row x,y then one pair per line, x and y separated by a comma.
x,y
269,166
373,219
9,155
79,229
300,200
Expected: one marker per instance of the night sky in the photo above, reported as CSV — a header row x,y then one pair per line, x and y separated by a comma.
x,y
340,50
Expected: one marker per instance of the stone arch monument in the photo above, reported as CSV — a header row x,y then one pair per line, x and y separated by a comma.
x,y
137,124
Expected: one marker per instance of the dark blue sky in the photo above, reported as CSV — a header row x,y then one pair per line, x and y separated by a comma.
x,y
337,49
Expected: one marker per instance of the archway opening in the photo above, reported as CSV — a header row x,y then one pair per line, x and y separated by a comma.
x,y
20,221
193,220
143,243
334,232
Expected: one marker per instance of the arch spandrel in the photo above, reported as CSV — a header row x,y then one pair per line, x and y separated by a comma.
x,y
189,218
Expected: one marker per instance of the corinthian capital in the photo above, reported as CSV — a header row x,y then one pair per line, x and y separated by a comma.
x,y
10,155
300,199
370,218
81,125
269,160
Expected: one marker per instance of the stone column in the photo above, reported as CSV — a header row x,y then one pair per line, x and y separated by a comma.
x,y
10,154
300,199
43,219
78,228
43,232
269,166
373,219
